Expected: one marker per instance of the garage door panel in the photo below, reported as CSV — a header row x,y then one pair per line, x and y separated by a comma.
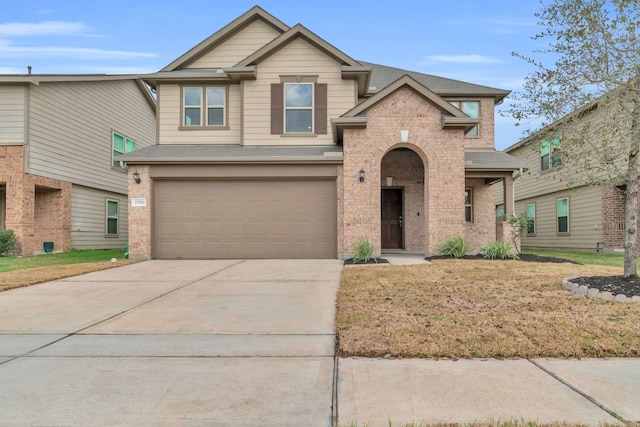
x,y
245,219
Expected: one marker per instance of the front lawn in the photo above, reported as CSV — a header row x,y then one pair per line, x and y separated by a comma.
x,y
16,272
480,308
582,257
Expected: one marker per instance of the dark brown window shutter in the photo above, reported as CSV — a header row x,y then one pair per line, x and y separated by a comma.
x,y
321,108
277,105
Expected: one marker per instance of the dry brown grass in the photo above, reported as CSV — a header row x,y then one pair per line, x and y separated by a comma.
x,y
32,276
476,308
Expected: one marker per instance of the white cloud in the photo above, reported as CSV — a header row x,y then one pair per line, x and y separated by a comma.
x,y
464,59
46,28
7,50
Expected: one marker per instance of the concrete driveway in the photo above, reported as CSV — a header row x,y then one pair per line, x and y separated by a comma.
x,y
172,343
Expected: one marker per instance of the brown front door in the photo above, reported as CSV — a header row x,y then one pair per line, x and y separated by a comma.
x,y
392,220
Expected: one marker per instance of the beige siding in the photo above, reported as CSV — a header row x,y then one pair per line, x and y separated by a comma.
x,y
88,219
297,58
169,114
12,111
238,47
585,219
71,130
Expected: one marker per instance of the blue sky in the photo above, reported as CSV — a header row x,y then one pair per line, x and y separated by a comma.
x,y
463,39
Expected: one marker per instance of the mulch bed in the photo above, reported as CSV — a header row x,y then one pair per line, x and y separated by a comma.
x,y
614,284
371,261
523,257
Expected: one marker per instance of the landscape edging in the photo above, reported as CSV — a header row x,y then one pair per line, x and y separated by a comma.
x,y
596,293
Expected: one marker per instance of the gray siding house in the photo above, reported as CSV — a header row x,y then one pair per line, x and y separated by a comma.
x,y
60,138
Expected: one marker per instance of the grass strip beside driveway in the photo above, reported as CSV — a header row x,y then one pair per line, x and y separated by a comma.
x,y
16,272
480,308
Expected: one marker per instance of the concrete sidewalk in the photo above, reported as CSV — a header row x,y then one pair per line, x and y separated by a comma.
x,y
374,392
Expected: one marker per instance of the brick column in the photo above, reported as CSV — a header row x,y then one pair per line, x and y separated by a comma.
x,y
140,227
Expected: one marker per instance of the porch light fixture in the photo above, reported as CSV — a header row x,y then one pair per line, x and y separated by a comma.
x,y
404,136
136,177
361,178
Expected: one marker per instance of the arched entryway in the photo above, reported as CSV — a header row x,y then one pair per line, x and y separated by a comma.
x,y
402,201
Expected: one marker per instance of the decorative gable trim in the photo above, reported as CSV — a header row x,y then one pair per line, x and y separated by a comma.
x,y
225,33
298,31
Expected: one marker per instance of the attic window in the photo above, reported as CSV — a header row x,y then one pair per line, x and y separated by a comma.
x,y
471,109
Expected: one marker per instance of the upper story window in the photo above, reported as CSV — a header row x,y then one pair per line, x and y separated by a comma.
x,y
121,145
298,107
550,153
204,106
471,109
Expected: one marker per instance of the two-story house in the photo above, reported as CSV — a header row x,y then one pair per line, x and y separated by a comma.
x,y
61,180
272,143
564,212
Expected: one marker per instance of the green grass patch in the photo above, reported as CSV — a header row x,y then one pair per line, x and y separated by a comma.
x,y
74,256
583,257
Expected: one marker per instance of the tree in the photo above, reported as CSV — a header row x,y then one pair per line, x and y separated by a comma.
x,y
594,47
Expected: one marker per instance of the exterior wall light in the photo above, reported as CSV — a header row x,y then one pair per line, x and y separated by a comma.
x,y
361,178
136,177
404,136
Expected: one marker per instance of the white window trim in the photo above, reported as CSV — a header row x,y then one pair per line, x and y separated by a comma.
x,y
285,108
122,166
107,217
558,232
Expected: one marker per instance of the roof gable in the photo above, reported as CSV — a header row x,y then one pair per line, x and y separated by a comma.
x,y
225,33
415,86
298,32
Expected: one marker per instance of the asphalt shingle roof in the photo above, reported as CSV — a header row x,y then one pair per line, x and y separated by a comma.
x,y
490,159
382,76
187,153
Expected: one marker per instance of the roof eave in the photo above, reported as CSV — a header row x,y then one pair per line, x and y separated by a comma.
x,y
333,159
466,123
362,75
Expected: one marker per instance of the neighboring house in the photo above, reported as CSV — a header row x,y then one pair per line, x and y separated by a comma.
x,y
272,143
60,140
563,211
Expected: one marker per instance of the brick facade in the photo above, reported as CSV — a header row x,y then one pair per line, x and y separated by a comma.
x,y
37,209
614,200
443,183
140,220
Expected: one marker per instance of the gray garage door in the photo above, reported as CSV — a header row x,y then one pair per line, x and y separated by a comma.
x,y
211,219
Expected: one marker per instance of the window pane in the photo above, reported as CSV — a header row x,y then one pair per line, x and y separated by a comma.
x,y
298,95
131,146
215,96
112,209
193,96
531,211
471,109
563,224
215,116
467,213
192,116
112,226
556,158
473,132
531,226
544,162
555,142
467,197
299,121
118,143
544,148
562,207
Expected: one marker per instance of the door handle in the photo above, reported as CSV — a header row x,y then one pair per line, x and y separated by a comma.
x,y
400,222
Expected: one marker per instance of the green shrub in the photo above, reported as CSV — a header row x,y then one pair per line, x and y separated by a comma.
x,y
498,249
455,247
364,251
7,242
